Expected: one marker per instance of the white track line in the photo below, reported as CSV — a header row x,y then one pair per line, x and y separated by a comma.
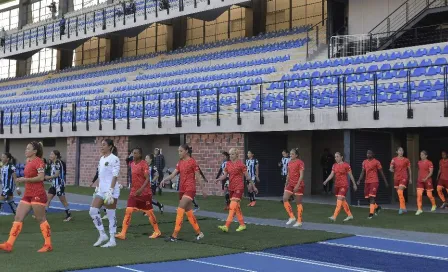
x,y
385,251
300,260
220,265
400,240
129,269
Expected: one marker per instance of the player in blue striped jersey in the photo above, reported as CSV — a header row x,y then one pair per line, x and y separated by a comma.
x,y
8,178
252,170
225,182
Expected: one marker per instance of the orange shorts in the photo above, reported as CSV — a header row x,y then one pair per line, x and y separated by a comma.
x,y
341,191
290,188
443,183
237,194
189,194
370,189
37,199
400,182
143,202
425,185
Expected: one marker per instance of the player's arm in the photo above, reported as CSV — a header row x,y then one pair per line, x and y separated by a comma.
x,y
440,171
39,178
169,178
199,180
431,170
257,172
329,177
392,166
384,177
115,173
222,176
220,172
410,174
156,175
352,178
56,174
363,171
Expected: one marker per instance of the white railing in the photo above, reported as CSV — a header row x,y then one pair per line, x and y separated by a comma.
x,y
350,45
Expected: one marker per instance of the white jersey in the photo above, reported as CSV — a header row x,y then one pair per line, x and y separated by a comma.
x,y
108,168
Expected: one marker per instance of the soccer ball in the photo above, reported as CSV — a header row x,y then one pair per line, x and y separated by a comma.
x,y
108,199
174,186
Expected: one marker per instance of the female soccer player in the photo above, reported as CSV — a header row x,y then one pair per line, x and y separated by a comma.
x,y
224,182
235,170
401,166
8,177
57,183
34,198
95,178
294,186
188,170
442,177
424,182
252,169
154,176
108,187
370,169
140,197
340,171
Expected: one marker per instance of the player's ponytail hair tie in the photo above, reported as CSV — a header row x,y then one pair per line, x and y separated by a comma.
x,y
187,148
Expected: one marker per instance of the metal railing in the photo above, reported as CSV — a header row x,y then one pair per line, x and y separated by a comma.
x,y
317,35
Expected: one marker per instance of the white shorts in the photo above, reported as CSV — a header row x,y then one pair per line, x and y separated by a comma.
x,y
115,194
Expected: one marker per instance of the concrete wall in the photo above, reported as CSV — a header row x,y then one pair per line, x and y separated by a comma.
x,y
17,148
303,140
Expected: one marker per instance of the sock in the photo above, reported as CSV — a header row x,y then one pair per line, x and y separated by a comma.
x,y
112,222
195,203
227,199
15,231
232,211
152,220
239,215
126,220
179,220
251,196
299,212
95,215
431,198
46,232
419,199
441,195
346,208
13,206
67,211
193,221
156,203
375,205
372,209
288,209
338,208
401,199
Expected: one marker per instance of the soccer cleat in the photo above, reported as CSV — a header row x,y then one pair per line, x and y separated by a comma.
x,y
103,238
45,248
434,208
241,228
348,218
120,236
444,205
196,209
171,239
155,235
223,228
402,211
290,221
111,243
297,224
6,247
104,217
377,210
332,219
419,212
199,236
161,208
250,204
370,216
68,218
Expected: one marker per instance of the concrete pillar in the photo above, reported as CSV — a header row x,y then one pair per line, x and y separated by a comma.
x,y
24,6
347,154
249,21
413,152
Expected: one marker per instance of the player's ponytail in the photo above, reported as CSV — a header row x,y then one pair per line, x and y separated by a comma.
x,y
39,147
11,159
112,147
188,149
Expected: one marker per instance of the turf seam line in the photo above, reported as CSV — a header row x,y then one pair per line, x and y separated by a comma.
x,y
129,269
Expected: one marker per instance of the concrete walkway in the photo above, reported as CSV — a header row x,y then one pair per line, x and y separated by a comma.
x,y
421,237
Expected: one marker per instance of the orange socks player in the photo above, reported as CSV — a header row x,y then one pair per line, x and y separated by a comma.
x,y
294,186
442,177
424,182
400,166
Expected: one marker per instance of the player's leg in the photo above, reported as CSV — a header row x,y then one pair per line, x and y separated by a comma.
x,y
40,213
400,192
22,210
147,208
94,213
112,216
371,206
11,203
63,199
2,200
340,197
251,192
298,198
187,203
419,201
432,199
441,194
286,195
232,211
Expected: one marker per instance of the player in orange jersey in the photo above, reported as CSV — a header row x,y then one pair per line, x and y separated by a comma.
x,y
294,186
340,171
442,178
370,169
401,167
34,198
189,173
140,197
424,182
235,170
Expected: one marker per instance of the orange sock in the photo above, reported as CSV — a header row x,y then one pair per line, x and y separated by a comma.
x,y
127,220
152,220
193,221
288,209
372,209
299,212
46,232
239,215
376,205
401,199
232,210
346,208
431,198
15,231
419,199
440,192
338,208
179,221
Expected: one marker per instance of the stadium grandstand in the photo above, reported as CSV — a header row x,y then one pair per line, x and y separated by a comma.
x,y
264,76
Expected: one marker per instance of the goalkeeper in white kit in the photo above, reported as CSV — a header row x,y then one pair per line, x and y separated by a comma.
x,y
106,193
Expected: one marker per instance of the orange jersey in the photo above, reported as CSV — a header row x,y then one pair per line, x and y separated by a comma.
x,y
341,171
236,171
294,168
443,164
187,170
400,166
32,169
424,168
138,172
371,167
